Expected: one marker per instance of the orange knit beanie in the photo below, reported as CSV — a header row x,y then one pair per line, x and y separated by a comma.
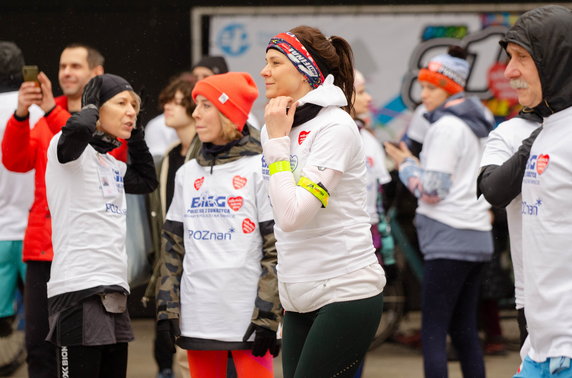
x,y
232,93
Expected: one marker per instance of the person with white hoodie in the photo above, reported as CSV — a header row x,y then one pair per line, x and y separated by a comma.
x,y
330,282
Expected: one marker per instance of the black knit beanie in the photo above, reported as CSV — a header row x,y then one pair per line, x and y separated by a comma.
x,y
112,85
217,64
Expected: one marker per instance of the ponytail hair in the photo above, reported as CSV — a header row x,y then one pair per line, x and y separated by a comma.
x,y
333,56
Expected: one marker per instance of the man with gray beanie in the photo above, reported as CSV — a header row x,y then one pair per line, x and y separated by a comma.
x,y
540,49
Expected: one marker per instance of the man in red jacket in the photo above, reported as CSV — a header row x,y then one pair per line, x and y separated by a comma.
x,y
24,149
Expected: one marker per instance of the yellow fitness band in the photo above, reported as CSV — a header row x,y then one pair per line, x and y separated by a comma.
x,y
316,189
279,166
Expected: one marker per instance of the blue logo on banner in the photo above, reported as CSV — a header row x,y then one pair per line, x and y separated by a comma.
x,y
233,40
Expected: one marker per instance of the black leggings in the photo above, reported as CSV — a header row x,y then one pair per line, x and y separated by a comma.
x,y
331,341
450,298
103,361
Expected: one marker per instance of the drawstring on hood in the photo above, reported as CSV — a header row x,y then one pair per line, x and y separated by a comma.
x,y
546,33
469,109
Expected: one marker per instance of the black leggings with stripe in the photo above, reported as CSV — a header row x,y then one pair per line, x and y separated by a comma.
x,y
331,341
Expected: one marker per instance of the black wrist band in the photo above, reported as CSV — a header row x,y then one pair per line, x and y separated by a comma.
x,y
21,119
49,111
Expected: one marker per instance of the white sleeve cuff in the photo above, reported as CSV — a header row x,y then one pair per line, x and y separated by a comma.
x,y
276,149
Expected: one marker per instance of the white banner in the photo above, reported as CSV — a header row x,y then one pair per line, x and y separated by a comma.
x,y
388,50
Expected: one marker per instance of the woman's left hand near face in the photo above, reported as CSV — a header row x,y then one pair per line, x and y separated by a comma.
x,y
279,116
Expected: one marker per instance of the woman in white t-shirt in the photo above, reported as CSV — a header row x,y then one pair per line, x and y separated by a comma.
x,y
453,226
330,281
219,245
86,186
377,175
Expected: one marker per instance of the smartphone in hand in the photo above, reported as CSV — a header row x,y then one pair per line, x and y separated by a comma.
x,y
30,73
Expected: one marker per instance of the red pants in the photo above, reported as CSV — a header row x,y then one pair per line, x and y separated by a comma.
x,y
212,364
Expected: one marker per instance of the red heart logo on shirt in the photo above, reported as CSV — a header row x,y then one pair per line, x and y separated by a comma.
x,y
542,163
369,161
302,136
235,203
199,182
248,226
238,182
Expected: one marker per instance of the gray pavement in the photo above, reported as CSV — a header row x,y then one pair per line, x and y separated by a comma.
x,y
390,360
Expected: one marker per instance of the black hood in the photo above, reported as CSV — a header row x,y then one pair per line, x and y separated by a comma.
x,y
546,33
469,109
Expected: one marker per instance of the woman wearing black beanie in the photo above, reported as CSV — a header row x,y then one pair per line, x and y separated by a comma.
x,y
86,187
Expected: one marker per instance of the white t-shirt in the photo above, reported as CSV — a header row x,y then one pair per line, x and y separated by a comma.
x,y
451,147
87,202
16,189
419,125
221,213
338,239
502,143
546,242
376,172
159,137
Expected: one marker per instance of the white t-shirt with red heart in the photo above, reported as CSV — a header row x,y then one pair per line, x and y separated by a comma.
x,y
502,143
89,221
221,212
337,240
547,238
451,147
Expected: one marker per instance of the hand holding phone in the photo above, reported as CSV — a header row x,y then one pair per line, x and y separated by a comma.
x,y
30,73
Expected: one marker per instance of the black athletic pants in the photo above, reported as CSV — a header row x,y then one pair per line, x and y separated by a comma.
x,y
104,361
41,354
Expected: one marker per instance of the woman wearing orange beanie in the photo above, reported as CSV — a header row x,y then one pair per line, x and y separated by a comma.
x,y
219,242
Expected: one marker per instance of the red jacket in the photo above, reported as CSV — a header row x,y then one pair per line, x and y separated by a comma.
x,y
23,150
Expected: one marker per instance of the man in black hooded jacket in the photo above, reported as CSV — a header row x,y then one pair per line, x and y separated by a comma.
x,y
540,49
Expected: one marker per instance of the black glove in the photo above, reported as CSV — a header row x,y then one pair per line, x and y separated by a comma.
x,y
91,92
137,135
167,331
264,340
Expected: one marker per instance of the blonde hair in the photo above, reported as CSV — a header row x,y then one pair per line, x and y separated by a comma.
x,y
229,131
